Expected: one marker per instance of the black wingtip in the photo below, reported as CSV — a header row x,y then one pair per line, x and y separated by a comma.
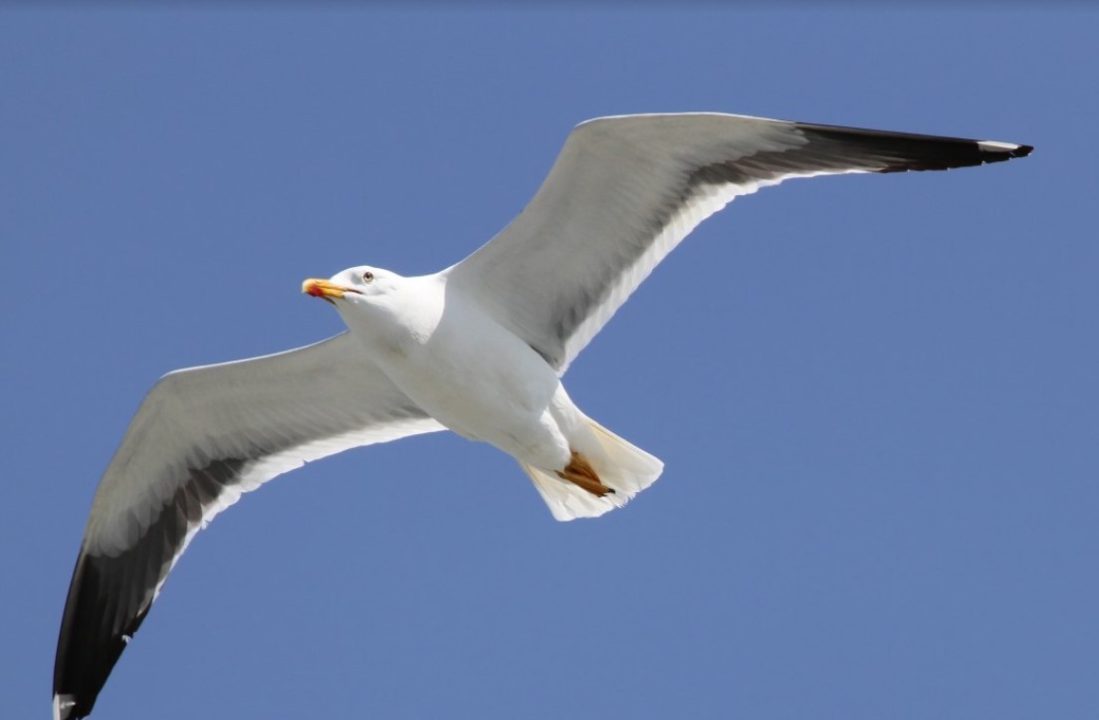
x,y
94,631
110,595
80,669
887,152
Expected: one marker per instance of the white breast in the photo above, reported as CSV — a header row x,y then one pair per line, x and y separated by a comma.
x,y
467,371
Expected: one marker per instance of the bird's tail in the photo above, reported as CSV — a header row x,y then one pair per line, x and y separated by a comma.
x,y
623,468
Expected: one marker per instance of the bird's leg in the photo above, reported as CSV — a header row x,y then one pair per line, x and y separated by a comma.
x,y
579,472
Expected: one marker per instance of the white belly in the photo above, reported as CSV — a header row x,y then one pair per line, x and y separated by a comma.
x,y
484,383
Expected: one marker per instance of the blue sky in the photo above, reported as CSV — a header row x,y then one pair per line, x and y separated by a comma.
x,y
876,396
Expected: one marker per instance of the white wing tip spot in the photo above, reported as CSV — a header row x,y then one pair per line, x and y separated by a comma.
x,y
995,145
62,704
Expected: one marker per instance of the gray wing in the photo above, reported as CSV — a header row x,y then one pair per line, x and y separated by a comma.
x,y
201,438
624,191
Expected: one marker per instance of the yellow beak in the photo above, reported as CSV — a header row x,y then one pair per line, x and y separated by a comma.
x,y
324,289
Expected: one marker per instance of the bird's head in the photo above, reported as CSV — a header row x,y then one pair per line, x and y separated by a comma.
x,y
378,305
357,286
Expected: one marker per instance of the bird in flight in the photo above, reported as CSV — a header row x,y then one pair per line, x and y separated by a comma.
x,y
478,348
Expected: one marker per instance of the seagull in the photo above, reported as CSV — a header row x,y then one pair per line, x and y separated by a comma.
x,y
478,348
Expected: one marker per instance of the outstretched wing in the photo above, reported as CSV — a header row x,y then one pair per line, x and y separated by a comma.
x,y
202,437
626,190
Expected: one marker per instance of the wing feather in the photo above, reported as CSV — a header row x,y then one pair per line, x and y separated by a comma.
x,y
624,191
202,438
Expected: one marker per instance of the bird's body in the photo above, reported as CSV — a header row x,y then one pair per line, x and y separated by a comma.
x,y
478,348
464,369
457,363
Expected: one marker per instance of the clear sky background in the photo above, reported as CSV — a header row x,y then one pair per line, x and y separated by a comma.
x,y
876,396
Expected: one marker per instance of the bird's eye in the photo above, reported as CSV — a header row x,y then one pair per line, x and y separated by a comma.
x,y
368,276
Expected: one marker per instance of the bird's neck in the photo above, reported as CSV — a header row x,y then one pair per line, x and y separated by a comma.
x,y
406,317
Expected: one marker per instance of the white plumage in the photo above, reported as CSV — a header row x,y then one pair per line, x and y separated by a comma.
x,y
478,348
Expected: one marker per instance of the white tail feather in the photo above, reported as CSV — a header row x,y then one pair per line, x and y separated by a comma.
x,y
625,468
